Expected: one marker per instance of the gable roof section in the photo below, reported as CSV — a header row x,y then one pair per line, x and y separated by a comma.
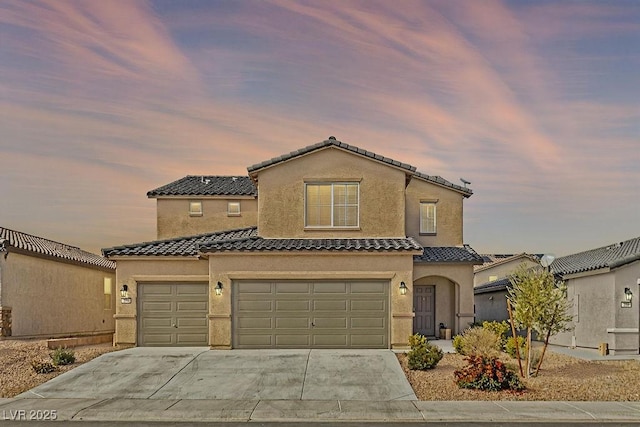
x,y
207,185
495,286
17,241
179,246
497,259
254,243
444,254
611,256
434,179
331,142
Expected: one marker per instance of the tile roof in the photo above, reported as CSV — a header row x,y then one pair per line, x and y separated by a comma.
x,y
330,142
23,242
612,256
179,246
496,285
491,260
207,185
467,192
448,254
259,244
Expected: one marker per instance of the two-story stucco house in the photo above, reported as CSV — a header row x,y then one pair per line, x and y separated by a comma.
x,y
329,246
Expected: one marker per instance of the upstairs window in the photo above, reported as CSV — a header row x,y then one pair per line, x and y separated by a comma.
x,y
427,218
233,209
333,205
195,208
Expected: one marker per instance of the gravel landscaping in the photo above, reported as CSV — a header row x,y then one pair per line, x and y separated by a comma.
x,y
16,373
561,378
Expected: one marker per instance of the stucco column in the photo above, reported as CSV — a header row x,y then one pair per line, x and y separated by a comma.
x,y
126,316
401,310
220,312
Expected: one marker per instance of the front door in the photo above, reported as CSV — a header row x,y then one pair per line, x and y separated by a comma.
x,y
424,322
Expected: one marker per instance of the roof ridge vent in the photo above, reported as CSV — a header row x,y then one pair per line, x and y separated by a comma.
x,y
332,138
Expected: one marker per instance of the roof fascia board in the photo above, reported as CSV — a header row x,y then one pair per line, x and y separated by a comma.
x,y
464,193
504,261
254,174
194,196
284,252
585,273
155,258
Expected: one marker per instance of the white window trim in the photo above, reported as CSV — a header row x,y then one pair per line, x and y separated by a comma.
x,y
193,212
332,226
230,212
435,218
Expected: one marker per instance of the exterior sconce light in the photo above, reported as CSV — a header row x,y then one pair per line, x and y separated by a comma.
x,y
628,295
403,288
124,291
218,288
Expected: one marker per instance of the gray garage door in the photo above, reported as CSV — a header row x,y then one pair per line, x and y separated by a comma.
x,y
304,314
173,314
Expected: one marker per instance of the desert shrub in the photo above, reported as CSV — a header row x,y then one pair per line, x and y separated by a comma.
x,y
510,346
423,355
501,329
42,367
487,373
480,342
62,356
457,344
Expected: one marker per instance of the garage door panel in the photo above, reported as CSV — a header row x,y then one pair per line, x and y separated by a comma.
x,y
330,287
292,340
292,323
293,305
255,306
310,314
293,288
365,305
173,314
323,305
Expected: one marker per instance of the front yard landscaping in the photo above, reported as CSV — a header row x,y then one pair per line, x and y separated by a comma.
x,y
561,378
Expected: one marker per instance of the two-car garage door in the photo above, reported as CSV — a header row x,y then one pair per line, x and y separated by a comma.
x,y
311,314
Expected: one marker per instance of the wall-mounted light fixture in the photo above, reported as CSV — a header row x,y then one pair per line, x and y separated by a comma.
x,y
218,288
124,291
403,288
628,295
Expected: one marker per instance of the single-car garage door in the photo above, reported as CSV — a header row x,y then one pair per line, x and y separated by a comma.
x,y
305,314
173,314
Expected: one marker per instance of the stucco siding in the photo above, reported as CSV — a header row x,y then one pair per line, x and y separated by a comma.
x,y
449,225
50,298
282,201
501,270
626,333
174,220
491,306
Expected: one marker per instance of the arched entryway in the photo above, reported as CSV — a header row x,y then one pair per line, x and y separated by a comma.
x,y
434,302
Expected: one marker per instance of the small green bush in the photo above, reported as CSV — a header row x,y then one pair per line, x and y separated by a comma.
x,y
41,367
62,356
488,374
457,344
499,328
510,347
480,342
423,355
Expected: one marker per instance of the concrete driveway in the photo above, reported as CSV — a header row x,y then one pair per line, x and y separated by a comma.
x,y
200,373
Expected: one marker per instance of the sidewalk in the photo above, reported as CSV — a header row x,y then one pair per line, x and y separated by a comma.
x,y
156,410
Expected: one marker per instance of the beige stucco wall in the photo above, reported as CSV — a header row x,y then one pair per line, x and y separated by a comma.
x,y
173,219
454,292
281,201
448,213
50,298
337,266
626,334
140,270
502,270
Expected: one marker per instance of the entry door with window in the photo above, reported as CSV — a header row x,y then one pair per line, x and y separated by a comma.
x,y
424,322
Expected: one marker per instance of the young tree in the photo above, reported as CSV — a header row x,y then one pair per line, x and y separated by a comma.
x,y
539,304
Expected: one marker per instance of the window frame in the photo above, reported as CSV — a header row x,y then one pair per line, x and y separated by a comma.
x,y
108,294
428,232
332,226
230,212
193,212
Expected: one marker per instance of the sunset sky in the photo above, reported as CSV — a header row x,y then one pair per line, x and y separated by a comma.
x,y
537,103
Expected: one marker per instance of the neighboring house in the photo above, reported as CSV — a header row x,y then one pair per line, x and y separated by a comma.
x,y
603,285
491,282
334,247
49,289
